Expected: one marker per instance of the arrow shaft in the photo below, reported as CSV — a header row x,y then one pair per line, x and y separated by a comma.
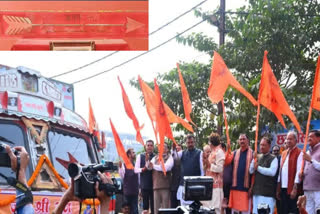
x,y
77,25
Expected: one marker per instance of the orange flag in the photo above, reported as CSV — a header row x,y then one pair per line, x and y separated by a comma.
x,y
149,98
130,113
163,124
315,103
220,80
185,97
93,125
92,119
120,149
271,96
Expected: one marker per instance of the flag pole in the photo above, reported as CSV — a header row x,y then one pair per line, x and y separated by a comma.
x,y
257,129
307,133
226,124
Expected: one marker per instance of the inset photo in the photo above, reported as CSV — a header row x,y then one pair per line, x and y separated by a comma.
x,y
74,25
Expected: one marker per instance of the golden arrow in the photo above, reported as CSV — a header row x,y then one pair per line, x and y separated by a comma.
x,y
19,25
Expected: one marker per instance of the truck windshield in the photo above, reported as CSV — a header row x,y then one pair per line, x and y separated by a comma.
x,y
13,133
64,148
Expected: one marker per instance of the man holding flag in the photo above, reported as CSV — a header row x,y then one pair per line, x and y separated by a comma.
x,y
311,172
215,170
130,183
161,182
264,169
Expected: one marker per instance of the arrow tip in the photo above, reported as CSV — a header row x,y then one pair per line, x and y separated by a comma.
x,y
133,25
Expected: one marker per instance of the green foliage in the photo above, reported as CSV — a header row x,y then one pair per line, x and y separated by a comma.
x,y
289,30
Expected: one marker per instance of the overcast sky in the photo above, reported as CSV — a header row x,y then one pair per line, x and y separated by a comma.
x,y
104,91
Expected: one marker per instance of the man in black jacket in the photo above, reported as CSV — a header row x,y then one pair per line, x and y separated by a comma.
x,y
146,185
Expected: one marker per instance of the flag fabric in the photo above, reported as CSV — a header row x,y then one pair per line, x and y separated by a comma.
x,y
92,119
163,125
185,97
271,96
149,97
220,80
120,149
315,102
130,113
93,125
173,118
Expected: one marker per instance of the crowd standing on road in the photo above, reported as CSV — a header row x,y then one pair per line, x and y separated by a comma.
x,y
243,181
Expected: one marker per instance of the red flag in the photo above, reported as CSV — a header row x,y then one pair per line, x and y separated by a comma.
x,y
103,140
120,149
185,97
220,80
130,113
271,96
149,98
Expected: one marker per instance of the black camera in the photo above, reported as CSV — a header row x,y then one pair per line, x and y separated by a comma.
x,y
85,178
196,188
5,160
263,208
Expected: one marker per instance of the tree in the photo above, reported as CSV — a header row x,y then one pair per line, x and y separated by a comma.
x,y
289,30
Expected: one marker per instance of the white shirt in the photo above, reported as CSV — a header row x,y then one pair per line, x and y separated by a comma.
x,y
267,171
315,164
285,171
167,165
137,168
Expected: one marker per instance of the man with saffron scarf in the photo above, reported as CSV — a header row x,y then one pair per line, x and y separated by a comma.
x,y
215,170
239,200
286,189
265,169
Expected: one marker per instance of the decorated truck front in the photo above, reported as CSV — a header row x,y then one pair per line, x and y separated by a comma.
x,y
38,113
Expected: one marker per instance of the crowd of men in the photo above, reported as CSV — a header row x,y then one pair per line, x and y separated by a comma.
x,y
243,181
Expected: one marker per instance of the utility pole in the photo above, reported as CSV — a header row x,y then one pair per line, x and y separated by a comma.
x,y
222,31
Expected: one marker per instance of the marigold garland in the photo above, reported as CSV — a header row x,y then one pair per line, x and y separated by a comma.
x,y
36,172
